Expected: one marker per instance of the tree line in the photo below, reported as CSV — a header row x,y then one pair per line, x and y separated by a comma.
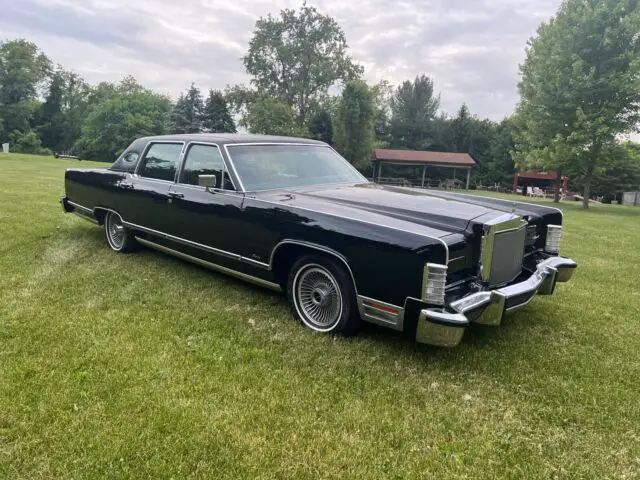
x,y
579,91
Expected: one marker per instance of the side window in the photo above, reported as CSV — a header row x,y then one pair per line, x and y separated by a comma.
x,y
204,160
161,161
126,162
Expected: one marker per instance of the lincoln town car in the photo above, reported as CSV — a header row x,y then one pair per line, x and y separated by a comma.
x,y
292,215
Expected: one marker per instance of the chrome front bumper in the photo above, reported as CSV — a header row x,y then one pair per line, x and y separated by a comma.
x,y
445,326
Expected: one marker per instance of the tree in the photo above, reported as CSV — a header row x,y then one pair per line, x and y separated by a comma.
x,y
272,117
413,109
321,126
382,93
114,123
500,168
216,116
60,117
297,57
621,174
462,130
23,70
354,124
187,114
580,88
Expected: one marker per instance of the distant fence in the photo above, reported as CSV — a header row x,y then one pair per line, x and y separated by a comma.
x,y
631,198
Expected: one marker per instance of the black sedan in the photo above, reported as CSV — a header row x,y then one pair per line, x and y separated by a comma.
x,y
292,215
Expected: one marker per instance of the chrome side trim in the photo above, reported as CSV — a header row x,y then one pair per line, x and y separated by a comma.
x,y
316,247
81,207
381,313
197,245
212,266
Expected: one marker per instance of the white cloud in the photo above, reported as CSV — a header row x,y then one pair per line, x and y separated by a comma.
x,y
471,48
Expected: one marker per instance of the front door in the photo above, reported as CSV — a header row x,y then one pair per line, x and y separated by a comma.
x,y
207,219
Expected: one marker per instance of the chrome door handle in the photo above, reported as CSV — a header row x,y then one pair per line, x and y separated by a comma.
x,y
126,184
176,195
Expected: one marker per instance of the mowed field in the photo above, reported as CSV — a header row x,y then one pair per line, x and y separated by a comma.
x,y
143,366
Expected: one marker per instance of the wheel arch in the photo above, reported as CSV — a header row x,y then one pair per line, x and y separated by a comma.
x,y
101,212
286,252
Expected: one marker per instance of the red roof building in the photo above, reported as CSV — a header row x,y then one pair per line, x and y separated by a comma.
x,y
544,180
420,157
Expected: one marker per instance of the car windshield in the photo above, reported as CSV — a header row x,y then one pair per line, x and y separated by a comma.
x,y
263,167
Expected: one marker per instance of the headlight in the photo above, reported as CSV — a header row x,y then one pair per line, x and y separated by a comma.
x,y
434,281
554,237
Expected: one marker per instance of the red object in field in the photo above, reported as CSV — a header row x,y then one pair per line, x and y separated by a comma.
x,y
538,179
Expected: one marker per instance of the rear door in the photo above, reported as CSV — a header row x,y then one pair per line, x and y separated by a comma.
x,y
208,217
146,193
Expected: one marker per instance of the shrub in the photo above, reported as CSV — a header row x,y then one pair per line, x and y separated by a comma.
x,y
26,142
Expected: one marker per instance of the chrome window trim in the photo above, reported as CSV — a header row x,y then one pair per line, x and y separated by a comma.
x,y
143,158
224,163
217,191
298,144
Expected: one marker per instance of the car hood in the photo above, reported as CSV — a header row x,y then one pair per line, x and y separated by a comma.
x,y
385,206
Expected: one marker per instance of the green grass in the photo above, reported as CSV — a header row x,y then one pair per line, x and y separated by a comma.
x,y
143,366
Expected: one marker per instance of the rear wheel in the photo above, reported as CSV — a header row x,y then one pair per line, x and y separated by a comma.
x,y
119,237
323,296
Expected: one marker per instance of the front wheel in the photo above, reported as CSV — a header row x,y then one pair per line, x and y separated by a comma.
x,y
323,296
119,237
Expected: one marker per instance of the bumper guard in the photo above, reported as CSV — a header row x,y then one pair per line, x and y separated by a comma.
x,y
445,327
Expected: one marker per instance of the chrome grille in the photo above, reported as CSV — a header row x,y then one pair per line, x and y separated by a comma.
x,y
502,250
506,261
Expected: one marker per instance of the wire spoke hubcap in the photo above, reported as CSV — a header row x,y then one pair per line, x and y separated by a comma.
x,y
115,231
319,297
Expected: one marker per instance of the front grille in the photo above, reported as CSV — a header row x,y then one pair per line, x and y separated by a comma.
x,y
502,249
506,259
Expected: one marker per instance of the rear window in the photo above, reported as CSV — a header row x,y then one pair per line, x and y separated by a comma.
x,y
127,161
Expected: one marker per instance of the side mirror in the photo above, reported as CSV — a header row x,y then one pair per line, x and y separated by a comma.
x,y
207,181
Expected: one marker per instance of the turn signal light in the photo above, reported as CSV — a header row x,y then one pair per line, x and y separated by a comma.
x,y
433,283
554,237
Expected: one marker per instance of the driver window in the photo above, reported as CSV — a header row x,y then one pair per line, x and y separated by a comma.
x,y
204,160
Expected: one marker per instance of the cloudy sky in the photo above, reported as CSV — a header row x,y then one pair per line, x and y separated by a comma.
x,y
471,48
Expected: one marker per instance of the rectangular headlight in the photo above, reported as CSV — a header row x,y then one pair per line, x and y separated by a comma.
x,y
554,237
434,281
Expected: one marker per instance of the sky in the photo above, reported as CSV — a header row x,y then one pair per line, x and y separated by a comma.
x,y
471,48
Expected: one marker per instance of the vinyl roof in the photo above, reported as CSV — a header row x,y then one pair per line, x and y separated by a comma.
x,y
229,138
423,157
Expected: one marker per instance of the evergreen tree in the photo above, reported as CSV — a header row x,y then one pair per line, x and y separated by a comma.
x,y
321,126
413,109
354,136
216,116
187,113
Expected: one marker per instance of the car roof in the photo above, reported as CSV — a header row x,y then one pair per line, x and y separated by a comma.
x,y
230,138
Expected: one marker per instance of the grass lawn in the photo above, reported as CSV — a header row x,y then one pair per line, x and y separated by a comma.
x,y
143,366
